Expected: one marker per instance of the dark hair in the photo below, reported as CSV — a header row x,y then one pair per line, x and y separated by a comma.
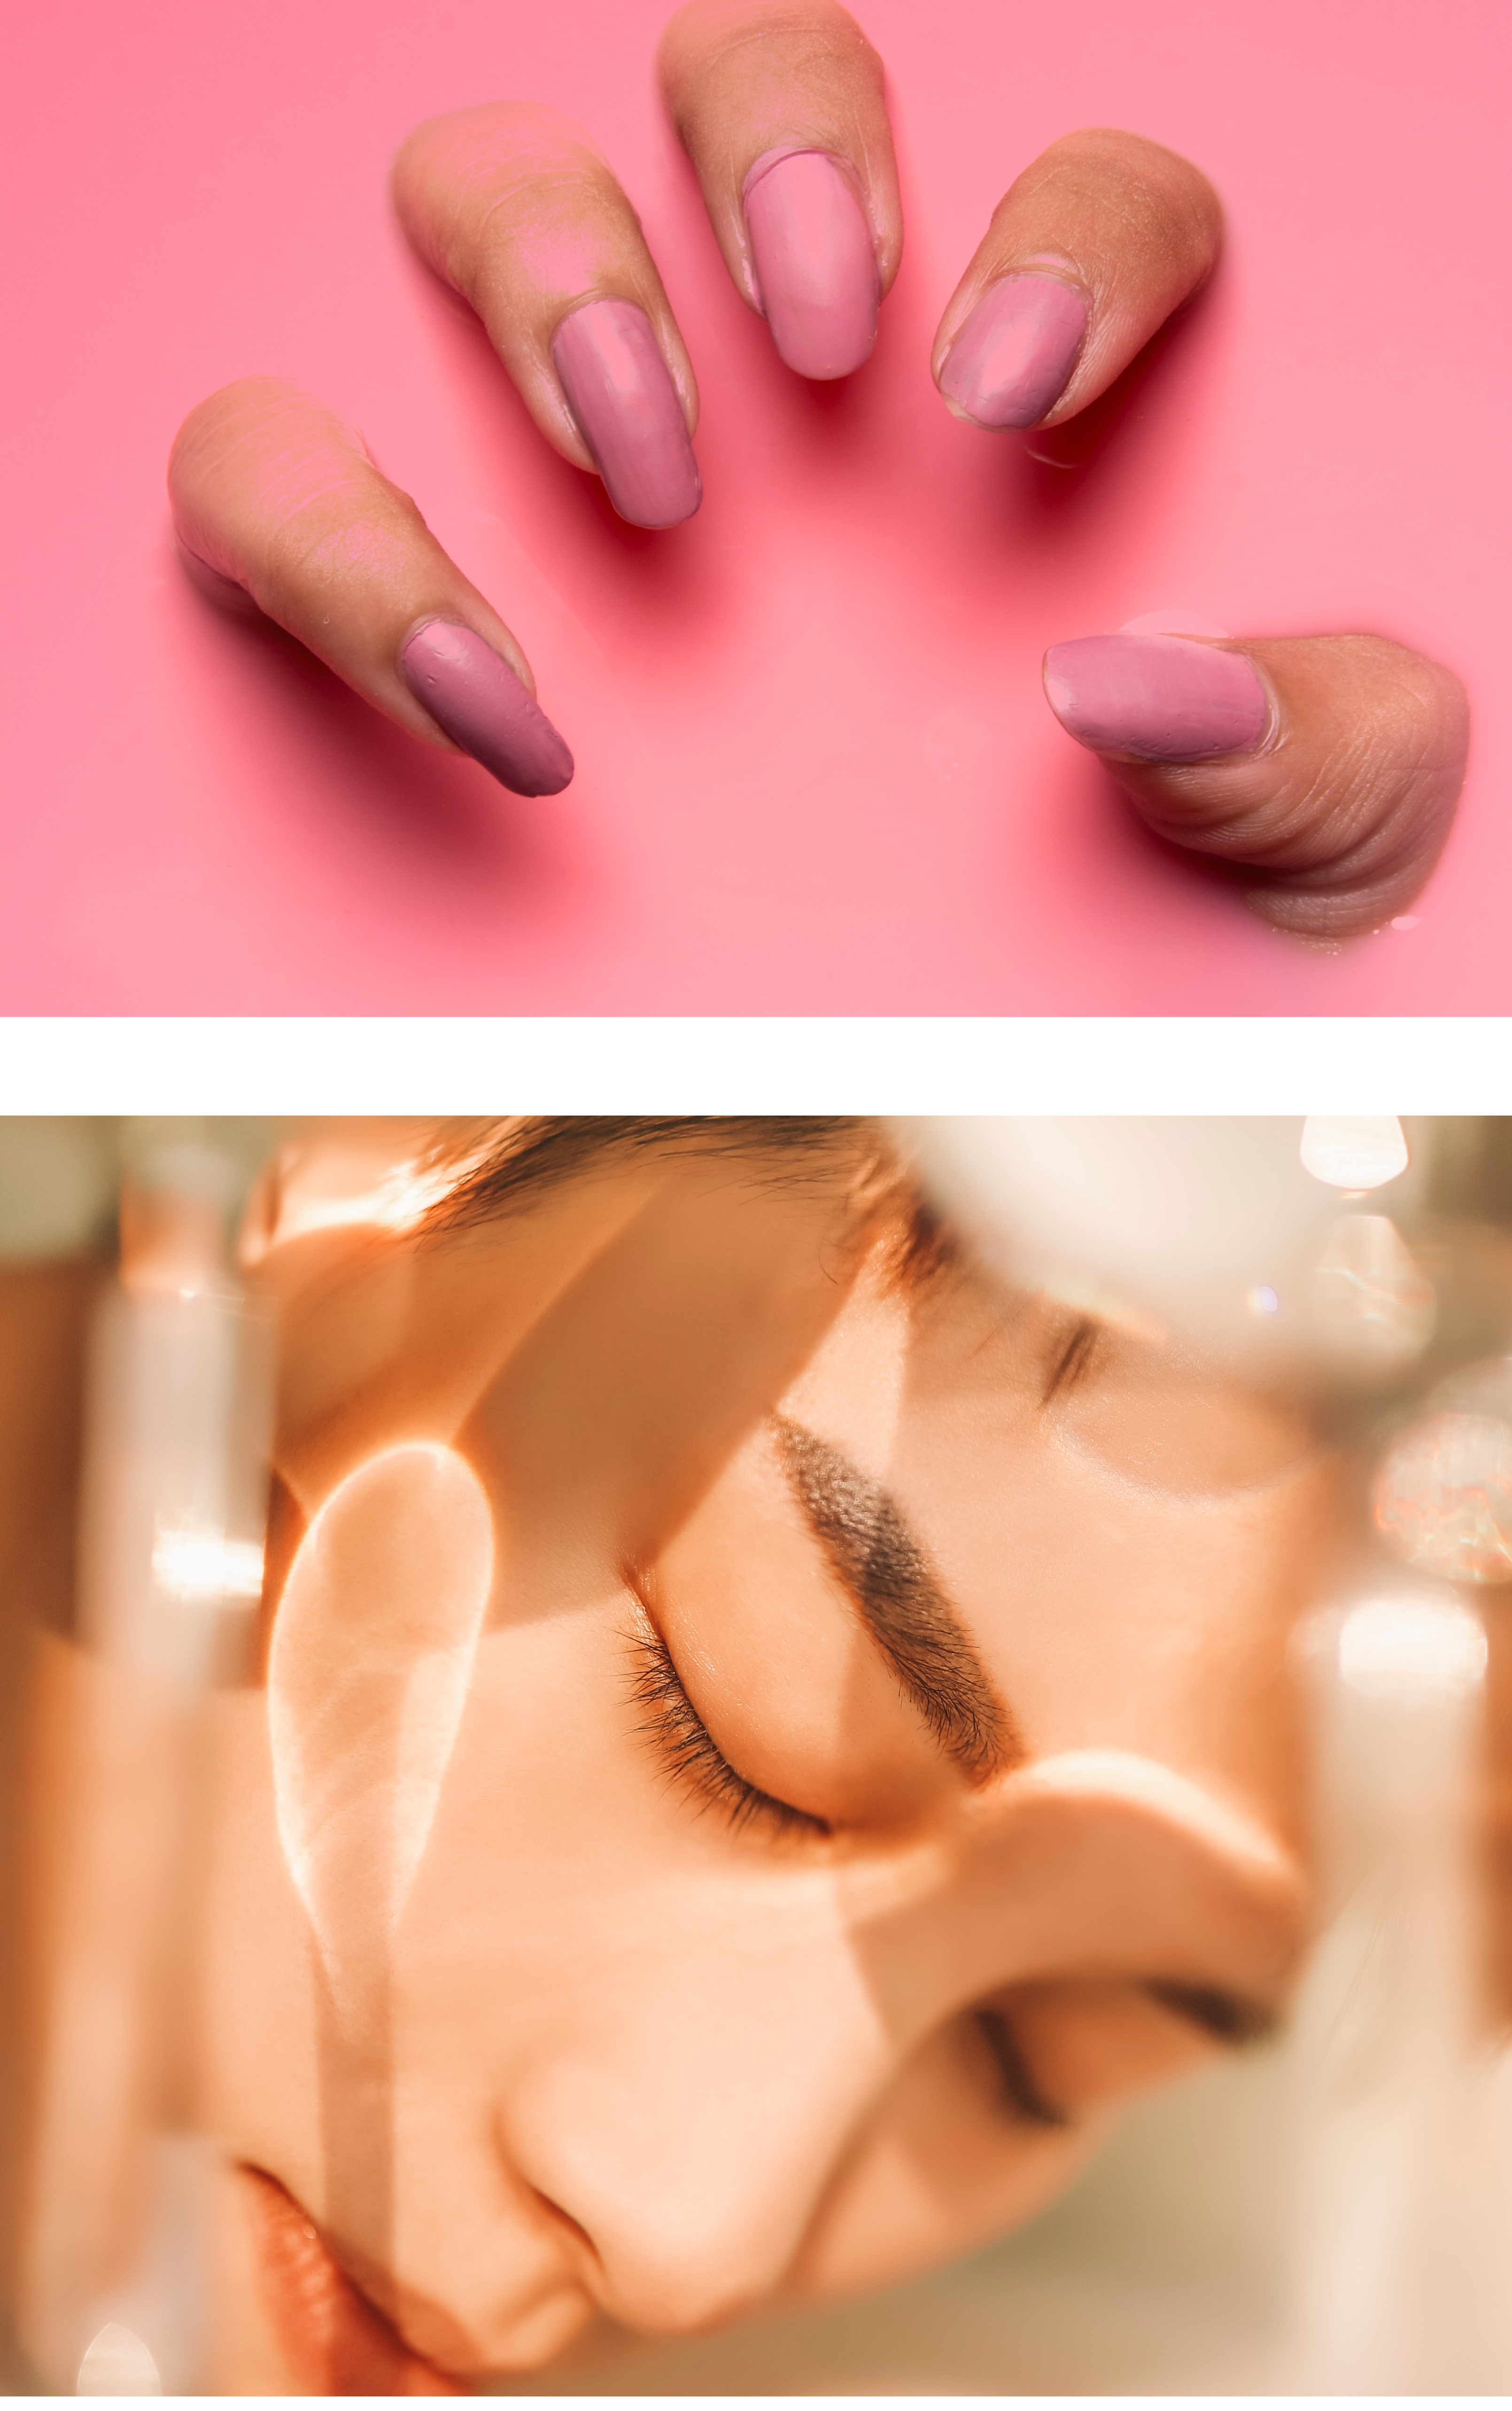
x,y
505,1164
503,1167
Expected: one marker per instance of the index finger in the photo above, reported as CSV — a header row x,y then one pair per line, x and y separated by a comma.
x,y
1087,254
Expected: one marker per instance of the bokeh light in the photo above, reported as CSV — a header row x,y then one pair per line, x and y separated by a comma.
x,y
1353,1150
1442,1497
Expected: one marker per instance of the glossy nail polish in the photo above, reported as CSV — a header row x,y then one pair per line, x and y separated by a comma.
x,y
621,394
1159,699
1011,360
476,698
816,263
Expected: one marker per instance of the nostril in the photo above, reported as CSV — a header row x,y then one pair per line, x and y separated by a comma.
x,y
573,2235
654,2272
677,2287
676,2223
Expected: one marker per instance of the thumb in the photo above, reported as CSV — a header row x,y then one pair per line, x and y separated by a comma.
x,y
1326,767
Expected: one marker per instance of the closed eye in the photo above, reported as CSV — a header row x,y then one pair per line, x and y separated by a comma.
x,y
1070,1357
1021,2099
694,1760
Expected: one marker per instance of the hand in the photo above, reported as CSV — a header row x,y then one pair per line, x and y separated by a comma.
x,y
1325,769
276,502
513,206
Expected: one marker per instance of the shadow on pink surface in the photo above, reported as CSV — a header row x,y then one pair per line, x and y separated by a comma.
x,y
370,780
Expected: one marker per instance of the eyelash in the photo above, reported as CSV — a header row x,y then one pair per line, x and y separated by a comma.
x,y
1022,2101
698,1766
693,1758
1076,1348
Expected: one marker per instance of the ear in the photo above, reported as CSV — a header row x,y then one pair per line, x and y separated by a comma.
x,y
368,1670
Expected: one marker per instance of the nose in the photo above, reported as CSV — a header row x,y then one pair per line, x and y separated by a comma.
x,y
690,2128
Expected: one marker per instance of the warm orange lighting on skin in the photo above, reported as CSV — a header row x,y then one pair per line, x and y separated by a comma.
x,y
371,1654
367,1173
513,2016
526,2027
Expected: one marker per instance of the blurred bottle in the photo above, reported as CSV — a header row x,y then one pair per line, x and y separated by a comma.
x,y
172,1517
1397,2249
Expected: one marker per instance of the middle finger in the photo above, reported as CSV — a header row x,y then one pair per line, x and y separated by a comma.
x,y
781,112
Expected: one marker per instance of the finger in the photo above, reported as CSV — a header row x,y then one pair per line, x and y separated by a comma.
x,y
1087,254
1327,766
272,495
781,111
512,205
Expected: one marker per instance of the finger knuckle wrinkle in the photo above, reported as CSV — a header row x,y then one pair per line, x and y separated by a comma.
x,y
1368,814
307,541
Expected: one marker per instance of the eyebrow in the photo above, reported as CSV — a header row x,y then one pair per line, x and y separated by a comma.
x,y
1226,2017
883,1569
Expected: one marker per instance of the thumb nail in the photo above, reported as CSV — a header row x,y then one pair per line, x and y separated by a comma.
x,y
1159,699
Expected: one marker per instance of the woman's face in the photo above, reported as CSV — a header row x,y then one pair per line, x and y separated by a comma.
x,y
758,1753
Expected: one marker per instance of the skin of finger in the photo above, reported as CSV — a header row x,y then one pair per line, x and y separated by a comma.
x,y
1132,228
512,205
741,79
272,492
1346,806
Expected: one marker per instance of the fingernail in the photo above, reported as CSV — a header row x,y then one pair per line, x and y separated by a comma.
x,y
816,263
479,702
1011,360
624,400
1160,699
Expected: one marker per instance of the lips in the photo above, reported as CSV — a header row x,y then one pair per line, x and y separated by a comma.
x,y
333,2340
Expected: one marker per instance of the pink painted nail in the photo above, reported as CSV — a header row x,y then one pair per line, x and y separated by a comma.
x,y
1160,699
624,400
1011,360
816,263
479,701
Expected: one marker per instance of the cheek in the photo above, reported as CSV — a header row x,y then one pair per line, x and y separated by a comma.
x,y
938,2169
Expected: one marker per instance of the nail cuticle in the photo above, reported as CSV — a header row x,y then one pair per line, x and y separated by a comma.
x,y
1271,738
767,160
762,167
1047,274
813,259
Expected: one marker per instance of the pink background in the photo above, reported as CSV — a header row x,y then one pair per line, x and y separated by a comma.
x,y
815,769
